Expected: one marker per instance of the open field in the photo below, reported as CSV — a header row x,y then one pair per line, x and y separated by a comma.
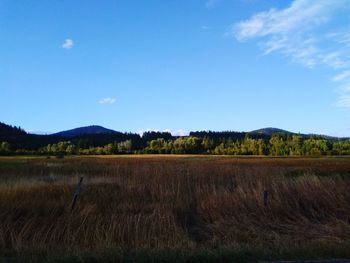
x,y
167,208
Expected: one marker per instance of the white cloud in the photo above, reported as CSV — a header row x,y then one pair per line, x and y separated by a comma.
x,y
107,101
301,32
68,43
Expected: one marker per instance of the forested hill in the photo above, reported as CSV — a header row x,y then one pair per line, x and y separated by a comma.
x,y
7,131
88,130
83,137
99,140
270,131
264,134
19,139
13,135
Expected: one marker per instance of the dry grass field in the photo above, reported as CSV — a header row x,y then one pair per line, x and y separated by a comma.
x,y
174,208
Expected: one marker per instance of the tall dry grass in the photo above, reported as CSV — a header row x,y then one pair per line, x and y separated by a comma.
x,y
173,203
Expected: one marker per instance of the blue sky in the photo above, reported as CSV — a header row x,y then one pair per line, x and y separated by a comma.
x,y
176,65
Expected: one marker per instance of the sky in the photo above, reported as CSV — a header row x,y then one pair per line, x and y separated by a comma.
x,y
176,65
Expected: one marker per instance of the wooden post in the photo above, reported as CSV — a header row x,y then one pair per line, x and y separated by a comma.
x,y
76,193
266,197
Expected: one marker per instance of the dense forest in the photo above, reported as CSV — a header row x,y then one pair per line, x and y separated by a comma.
x,y
14,140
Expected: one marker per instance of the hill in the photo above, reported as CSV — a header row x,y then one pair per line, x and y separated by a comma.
x,y
87,130
8,131
270,131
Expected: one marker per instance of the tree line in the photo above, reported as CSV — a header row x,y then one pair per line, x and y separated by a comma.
x,y
275,145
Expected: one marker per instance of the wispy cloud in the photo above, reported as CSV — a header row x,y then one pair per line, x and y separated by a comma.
x,y
68,43
345,75
305,32
206,27
344,100
211,3
107,101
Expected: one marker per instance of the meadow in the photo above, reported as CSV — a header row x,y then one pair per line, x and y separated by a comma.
x,y
162,208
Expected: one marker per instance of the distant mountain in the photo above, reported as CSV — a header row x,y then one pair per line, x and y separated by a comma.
x,y
270,130
87,130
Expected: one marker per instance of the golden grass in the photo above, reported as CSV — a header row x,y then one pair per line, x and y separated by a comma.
x,y
173,203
